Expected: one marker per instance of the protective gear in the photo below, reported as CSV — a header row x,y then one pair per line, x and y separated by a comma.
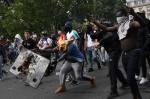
x,y
122,19
34,36
67,29
18,36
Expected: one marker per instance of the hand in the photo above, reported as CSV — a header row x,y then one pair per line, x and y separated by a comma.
x,y
130,10
85,49
54,62
91,18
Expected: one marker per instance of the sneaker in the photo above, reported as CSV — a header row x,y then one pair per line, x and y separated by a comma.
x,y
0,79
90,70
137,77
103,63
68,78
143,80
74,83
112,95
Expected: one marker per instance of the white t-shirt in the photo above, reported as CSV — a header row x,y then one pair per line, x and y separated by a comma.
x,y
74,34
45,43
89,40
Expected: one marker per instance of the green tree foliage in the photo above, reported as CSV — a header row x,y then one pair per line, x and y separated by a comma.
x,y
37,15
107,8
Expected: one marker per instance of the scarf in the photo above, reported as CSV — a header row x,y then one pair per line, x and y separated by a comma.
x,y
124,23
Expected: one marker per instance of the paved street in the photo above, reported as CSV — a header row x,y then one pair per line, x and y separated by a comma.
x,y
12,88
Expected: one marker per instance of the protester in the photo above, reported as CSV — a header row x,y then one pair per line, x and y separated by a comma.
x,y
3,60
90,51
11,52
34,37
44,43
17,43
110,41
28,43
127,30
73,61
143,39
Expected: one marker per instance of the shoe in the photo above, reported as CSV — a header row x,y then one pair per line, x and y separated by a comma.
x,y
74,83
103,63
5,75
61,89
143,80
68,78
112,95
99,66
26,84
0,79
137,77
93,82
90,70
124,86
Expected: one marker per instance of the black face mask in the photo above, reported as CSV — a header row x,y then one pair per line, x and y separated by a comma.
x,y
67,29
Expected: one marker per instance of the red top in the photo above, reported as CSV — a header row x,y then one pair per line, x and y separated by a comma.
x,y
63,36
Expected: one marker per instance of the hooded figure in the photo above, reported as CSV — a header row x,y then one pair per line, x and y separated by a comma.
x,y
17,44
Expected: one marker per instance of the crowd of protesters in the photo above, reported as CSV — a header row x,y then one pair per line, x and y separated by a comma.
x,y
105,44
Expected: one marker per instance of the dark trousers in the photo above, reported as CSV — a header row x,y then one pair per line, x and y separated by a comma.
x,y
115,72
142,62
130,63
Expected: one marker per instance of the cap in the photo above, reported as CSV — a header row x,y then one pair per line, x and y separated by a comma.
x,y
69,23
44,32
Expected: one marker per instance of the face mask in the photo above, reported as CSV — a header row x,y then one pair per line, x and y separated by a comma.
x,y
67,29
34,36
121,20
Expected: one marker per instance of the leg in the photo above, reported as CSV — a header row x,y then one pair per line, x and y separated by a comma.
x,y
1,58
131,70
96,58
66,68
89,55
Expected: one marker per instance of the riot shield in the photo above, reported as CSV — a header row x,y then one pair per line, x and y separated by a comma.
x,y
30,67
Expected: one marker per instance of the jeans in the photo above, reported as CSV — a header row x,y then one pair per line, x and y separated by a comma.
x,y
1,70
12,56
77,70
142,62
91,53
130,63
115,72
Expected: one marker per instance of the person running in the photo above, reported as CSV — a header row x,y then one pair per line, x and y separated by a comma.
x,y
73,61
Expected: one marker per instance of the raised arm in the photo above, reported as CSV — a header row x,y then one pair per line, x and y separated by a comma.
x,y
139,22
103,27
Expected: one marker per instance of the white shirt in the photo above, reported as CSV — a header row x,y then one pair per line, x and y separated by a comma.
x,y
89,40
44,43
74,34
